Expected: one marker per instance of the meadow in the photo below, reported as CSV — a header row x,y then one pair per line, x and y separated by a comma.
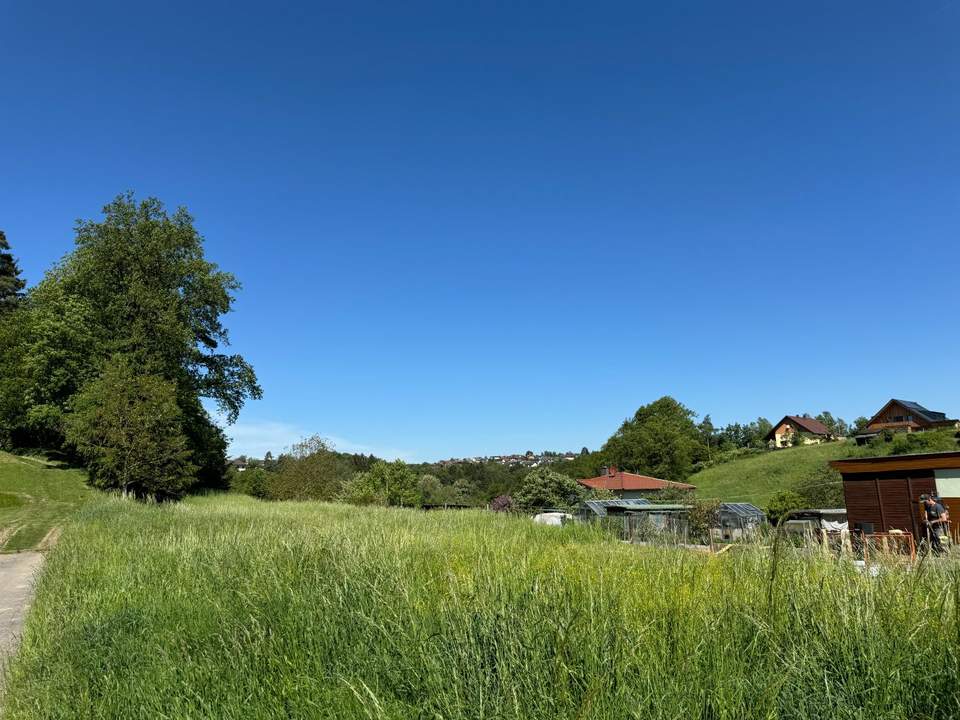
x,y
36,498
228,607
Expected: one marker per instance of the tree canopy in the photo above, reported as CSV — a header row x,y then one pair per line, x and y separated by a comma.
x,y
136,295
660,439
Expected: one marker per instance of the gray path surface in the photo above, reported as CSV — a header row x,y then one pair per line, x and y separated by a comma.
x,y
17,572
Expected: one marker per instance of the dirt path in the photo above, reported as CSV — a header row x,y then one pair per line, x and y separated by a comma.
x,y
17,572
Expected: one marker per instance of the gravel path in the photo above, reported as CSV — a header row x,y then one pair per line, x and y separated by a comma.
x,y
17,572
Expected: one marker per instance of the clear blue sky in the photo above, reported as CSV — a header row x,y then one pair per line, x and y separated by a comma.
x,y
478,228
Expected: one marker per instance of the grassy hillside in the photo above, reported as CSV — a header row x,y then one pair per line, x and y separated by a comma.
x,y
755,478
36,497
225,607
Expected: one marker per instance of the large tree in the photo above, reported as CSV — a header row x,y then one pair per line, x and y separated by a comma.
x,y
660,439
11,284
137,285
159,300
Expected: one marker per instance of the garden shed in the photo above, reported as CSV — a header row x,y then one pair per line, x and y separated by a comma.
x,y
593,509
638,519
882,494
736,521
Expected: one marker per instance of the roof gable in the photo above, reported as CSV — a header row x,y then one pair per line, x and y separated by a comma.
x,y
911,406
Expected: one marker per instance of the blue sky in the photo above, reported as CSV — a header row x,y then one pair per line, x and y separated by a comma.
x,y
490,227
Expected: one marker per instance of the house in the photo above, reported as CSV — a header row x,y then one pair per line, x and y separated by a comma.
x,y
882,494
812,432
629,486
903,416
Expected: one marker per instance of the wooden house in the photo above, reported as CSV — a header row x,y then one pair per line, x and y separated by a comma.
x,y
903,416
883,493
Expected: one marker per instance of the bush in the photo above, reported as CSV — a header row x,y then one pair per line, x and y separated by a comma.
x,y
921,442
128,428
311,471
384,484
546,488
252,481
502,503
783,502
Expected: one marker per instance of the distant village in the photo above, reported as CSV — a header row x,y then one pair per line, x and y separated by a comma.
x,y
528,459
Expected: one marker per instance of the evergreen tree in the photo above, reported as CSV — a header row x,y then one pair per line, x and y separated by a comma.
x,y
11,284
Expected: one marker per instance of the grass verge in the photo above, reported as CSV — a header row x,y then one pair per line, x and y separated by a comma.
x,y
36,497
225,607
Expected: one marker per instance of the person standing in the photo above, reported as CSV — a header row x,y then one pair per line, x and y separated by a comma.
x,y
938,520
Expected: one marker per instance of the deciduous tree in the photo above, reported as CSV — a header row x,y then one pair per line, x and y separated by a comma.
x,y
661,439
129,429
546,488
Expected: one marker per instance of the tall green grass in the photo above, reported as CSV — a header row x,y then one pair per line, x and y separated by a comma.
x,y
225,607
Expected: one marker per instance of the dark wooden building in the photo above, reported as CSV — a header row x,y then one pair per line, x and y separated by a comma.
x,y
903,416
883,493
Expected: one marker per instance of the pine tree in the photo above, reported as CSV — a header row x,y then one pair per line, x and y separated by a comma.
x,y
11,284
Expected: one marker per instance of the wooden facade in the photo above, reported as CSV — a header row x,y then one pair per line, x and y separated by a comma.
x,y
883,494
908,416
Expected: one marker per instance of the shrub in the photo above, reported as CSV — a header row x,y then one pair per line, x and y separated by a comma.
x,y
384,484
502,503
310,471
781,503
546,488
253,482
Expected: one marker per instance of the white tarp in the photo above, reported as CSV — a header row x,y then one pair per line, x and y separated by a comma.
x,y
552,518
834,526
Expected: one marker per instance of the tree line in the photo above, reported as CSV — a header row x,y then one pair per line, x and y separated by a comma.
x,y
108,359
661,439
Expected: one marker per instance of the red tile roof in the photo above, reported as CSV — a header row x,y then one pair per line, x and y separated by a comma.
x,y
619,480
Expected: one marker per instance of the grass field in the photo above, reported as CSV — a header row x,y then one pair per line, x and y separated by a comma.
x,y
755,478
225,607
36,497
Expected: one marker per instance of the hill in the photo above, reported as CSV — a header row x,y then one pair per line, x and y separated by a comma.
x,y
36,496
756,477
